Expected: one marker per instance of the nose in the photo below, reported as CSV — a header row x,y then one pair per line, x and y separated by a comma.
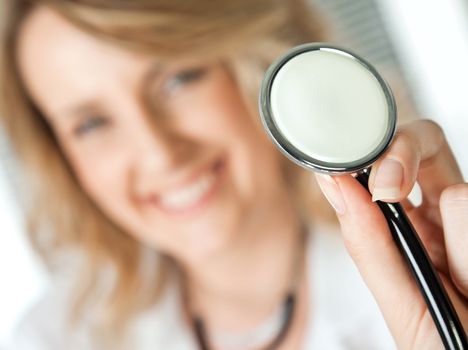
x,y
160,155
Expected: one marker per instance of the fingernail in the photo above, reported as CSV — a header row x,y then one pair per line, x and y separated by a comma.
x,y
332,192
388,180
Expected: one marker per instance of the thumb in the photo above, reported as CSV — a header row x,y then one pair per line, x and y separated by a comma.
x,y
371,246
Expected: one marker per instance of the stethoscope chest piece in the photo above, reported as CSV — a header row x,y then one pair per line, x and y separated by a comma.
x,y
327,108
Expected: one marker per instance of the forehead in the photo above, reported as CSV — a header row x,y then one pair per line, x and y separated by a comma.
x,y
57,59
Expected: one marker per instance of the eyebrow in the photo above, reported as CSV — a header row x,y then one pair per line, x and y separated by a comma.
x,y
82,108
152,72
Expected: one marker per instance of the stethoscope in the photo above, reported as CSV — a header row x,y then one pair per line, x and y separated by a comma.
x,y
329,110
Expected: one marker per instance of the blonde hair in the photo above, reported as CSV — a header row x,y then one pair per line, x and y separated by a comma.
x,y
247,35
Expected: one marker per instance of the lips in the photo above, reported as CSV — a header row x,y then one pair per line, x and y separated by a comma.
x,y
188,195
192,196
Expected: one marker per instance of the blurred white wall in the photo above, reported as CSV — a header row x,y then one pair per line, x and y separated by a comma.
x,y
431,38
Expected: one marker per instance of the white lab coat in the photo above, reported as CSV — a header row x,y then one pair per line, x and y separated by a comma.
x,y
345,315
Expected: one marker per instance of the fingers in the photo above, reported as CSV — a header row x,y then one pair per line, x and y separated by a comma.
x,y
454,210
418,152
371,246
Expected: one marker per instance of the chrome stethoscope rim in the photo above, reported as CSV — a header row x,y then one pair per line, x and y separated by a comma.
x,y
292,152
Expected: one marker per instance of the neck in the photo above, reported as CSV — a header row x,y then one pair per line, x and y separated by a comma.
x,y
241,286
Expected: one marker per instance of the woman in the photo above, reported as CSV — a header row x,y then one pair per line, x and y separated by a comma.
x,y
138,132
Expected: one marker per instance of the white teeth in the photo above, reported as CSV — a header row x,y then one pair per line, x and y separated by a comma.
x,y
189,195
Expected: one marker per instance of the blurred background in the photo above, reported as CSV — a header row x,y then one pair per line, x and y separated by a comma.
x,y
421,47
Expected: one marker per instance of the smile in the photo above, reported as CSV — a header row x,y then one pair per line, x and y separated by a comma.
x,y
194,195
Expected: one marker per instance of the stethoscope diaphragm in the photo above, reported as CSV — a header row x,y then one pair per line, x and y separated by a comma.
x,y
327,108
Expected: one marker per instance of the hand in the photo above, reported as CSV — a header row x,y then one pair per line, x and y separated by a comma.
x,y
418,152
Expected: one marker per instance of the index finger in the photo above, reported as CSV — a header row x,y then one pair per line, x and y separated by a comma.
x,y
422,151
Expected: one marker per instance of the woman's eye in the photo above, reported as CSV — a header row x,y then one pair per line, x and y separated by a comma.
x,y
90,124
182,78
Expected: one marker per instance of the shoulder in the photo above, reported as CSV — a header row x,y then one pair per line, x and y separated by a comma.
x,y
342,308
46,326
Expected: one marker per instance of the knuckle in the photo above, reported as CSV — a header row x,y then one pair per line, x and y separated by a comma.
x,y
426,135
457,193
435,134
357,251
403,135
405,143
433,126
433,129
422,123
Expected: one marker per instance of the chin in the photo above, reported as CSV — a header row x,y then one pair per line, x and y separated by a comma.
x,y
210,245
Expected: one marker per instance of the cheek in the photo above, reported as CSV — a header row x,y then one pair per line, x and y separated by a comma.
x,y
105,180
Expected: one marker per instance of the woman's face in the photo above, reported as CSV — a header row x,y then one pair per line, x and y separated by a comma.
x,y
169,153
